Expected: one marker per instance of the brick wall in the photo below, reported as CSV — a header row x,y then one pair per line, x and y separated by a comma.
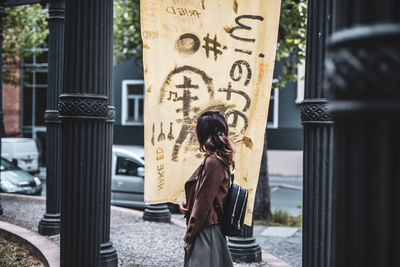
x,y
12,107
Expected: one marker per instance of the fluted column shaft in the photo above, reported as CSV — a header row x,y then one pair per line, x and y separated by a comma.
x,y
50,223
318,142
108,254
363,79
245,247
86,115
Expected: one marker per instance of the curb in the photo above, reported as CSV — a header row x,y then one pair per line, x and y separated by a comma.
x,y
47,251
286,186
273,261
22,196
128,211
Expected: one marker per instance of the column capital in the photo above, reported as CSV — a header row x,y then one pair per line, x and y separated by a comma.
x,y
56,10
315,111
111,114
351,65
83,106
52,116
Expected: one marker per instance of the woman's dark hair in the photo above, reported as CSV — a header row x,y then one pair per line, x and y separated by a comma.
x,y
212,134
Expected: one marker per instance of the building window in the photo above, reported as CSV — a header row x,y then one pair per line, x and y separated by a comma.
x,y
301,71
273,109
127,167
132,102
33,96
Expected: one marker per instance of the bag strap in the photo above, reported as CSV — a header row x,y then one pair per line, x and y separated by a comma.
x,y
231,175
201,169
217,208
200,173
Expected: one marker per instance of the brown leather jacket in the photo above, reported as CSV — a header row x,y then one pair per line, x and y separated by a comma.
x,y
201,190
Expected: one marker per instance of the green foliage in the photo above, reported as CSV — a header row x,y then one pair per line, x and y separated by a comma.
x,y
281,218
127,38
291,38
25,27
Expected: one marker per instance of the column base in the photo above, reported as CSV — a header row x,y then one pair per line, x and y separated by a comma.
x,y
50,224
157,213
108,255
244,249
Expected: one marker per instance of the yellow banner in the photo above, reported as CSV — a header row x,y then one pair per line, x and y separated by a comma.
x,y
203,55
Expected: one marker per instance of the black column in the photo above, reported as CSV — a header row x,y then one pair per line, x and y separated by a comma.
x,y
363,78
50,223
318,142
157,213
86,119
2,15
245,248
108,254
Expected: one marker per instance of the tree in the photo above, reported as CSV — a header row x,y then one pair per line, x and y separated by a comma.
x,y
127,37
262,202
291,38
290,52
24,28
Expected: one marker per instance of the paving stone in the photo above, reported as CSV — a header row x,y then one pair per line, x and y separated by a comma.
x,y
279,231
288,249
138,242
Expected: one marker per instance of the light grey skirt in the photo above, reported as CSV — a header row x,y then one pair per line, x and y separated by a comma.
x,y
209,249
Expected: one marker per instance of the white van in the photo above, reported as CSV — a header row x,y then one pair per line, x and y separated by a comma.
x,y
22,152
127,188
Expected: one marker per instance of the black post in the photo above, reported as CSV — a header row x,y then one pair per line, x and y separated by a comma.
x,y
245,248
318,142
363,78
157,213
86,114
50,223
2,15
108,254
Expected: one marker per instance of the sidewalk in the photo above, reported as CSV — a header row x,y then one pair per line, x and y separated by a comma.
x,y
138,243
282,242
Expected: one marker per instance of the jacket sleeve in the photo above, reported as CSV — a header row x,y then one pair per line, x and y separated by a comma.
x,y
211,180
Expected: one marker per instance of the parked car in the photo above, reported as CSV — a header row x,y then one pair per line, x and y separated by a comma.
x,y
127,187
16,180
22,152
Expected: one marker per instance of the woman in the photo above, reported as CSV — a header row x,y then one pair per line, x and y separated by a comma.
x,y
206,191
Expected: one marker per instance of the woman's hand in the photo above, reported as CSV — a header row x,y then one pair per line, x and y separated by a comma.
x,y
182,206
187,247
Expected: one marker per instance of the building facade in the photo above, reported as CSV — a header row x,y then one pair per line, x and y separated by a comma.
x,y
24,106
284,125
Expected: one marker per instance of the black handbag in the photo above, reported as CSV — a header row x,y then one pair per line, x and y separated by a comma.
x,y
232,219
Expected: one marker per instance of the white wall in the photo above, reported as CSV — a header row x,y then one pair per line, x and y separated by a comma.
x,y
285,162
